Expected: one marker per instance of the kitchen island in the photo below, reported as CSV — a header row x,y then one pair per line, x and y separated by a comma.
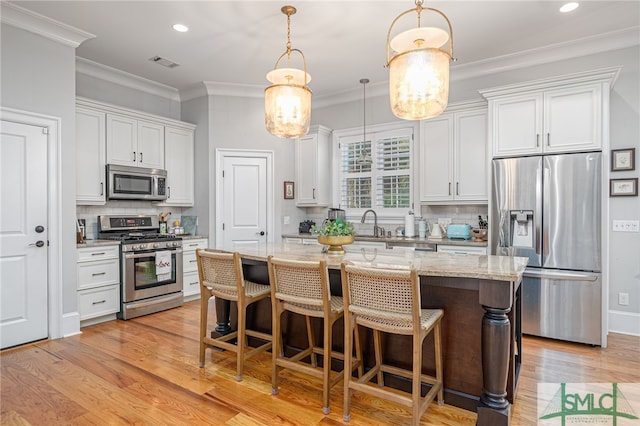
x,y
481,333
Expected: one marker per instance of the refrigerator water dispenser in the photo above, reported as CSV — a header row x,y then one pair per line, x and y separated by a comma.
x,y
522,228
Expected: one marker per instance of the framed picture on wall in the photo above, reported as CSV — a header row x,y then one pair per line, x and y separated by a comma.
x,y
288,190
623,159
623,187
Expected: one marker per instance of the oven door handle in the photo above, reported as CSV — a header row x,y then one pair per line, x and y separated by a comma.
x,y
147,254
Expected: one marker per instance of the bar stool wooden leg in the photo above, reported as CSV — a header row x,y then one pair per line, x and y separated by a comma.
x,y
348,339
377,344
312,341
204,308
326,365
241,341
358,346
277,343
415,381
437,339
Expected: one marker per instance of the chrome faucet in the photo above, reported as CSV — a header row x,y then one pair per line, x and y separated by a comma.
x,y
376,229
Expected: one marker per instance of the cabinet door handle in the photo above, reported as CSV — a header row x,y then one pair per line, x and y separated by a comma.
x,y
457,188
134,156
548,139
101,188
168,192
314,193
99,302
98,254
537,140
140,155
98,273
449,188
192,261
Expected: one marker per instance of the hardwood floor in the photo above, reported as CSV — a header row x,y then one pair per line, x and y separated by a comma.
x,y
145,371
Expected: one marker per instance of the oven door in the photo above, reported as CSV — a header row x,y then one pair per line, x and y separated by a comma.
x,y
139,277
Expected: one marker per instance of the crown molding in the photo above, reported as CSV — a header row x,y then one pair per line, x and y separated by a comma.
x,y
615,40
22,18
603,75
104,72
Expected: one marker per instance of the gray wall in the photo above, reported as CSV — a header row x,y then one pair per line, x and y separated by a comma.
x,y
38,75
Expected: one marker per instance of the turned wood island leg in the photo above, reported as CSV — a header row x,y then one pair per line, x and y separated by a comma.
x,y
223,311
496,299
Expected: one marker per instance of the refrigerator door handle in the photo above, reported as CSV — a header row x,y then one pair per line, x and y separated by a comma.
x,y
561,275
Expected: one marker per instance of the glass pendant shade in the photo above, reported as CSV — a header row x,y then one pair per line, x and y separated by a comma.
x,y
287,110
419,69
419,83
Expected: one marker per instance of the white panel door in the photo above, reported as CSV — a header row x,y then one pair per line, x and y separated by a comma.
x,y
23,234
244,200
150,145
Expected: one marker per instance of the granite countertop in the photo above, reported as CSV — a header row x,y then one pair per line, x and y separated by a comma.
x,y
500,268
443,241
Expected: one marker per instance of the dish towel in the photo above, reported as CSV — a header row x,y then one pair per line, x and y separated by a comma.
x,y
163,265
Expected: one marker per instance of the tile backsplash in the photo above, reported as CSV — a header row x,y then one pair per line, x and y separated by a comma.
x,y
90,213
457,213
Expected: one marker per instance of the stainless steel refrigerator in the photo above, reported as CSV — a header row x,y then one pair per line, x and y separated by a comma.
x,y
548,209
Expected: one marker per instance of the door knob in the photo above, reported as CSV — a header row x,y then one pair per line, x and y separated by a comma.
x,y
260,233
38,243
39,229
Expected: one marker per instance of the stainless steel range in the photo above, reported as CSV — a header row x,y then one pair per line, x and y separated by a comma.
x,y
150,264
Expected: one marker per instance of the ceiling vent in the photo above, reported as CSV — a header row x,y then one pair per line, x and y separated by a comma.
x,y
164,62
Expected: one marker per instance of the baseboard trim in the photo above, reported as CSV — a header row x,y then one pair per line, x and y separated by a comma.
x,y
70,324
624,322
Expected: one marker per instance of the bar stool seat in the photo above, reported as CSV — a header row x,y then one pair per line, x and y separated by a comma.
x,y
388,300
302,287
221,276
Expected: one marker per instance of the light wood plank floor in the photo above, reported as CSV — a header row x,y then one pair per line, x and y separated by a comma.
x,y
145,371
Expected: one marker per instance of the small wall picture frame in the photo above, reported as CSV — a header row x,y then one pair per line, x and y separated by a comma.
x,y
289,192
623,159
623,187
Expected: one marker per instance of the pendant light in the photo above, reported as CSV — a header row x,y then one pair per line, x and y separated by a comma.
x,y
419,70
364,158
287,102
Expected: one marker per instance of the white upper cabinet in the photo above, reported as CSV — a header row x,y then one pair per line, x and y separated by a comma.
x,y
453,156
110,134
132,142
556,115
90,156
178,148
313,179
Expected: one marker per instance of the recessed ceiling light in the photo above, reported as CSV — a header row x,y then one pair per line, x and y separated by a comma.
x,y
180,28
568,7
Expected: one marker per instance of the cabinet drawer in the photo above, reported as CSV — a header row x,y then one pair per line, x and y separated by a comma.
x,y
99,301
98,273
461,249
189,262
193,245
98,253
191,284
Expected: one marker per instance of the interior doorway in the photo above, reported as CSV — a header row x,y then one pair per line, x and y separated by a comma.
x,y
244,197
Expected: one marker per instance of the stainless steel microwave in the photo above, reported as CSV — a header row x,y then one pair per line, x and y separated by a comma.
x,y
136,183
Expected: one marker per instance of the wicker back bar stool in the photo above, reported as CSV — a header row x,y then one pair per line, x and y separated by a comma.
x,y
302,287
221,276
388,300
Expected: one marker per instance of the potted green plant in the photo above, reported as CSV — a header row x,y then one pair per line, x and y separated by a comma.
x,y
335,234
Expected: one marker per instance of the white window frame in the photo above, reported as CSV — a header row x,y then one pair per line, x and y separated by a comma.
x,y
384,215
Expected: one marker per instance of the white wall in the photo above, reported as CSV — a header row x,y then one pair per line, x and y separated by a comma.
x,y
38,75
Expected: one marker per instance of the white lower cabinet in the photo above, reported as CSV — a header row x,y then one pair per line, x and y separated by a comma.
x,y
453,249
190,278
98,281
